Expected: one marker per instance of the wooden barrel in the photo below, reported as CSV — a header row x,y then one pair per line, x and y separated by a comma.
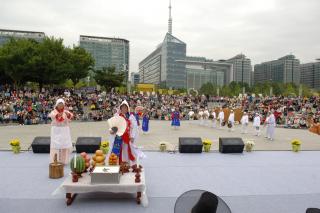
x,y
55,169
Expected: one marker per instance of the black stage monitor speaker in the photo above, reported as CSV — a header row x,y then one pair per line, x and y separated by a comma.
x,y
231,145
190,145
88,144
41,145
313,210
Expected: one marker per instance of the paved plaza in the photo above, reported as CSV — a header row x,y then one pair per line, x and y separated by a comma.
x,y
162,131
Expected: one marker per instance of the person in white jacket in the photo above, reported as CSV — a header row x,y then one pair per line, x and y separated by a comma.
x,y
244,123
231,120
221,117
256,124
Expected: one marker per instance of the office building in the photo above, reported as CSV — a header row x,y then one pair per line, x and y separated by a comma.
x,y
5,35
283,70
161,67
242,69
135,78
310,74
107,52
201,71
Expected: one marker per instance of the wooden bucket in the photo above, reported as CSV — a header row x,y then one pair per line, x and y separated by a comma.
x,y
55,169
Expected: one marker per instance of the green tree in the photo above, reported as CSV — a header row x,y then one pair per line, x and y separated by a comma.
x,y
51,63
290,90
208,89
226,91
80,61
109,78
16,60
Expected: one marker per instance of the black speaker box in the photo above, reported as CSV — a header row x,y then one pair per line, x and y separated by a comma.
x,y
190,145
231,145
88,144
41,145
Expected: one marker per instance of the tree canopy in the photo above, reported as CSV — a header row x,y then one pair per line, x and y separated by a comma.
x,y
109,78
47,62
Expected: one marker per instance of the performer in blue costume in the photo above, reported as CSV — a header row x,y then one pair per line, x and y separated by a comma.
x,y
145,122
175,117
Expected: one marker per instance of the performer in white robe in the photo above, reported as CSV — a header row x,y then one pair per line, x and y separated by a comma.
x,y
244,123
271,126
201,116
221,117
60,142
266,125
206,115
128,152
214,119
256,124
231,120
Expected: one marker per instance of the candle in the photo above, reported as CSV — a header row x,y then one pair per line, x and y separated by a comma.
x,y
75,161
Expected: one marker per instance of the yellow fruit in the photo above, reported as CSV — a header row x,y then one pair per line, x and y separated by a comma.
x,y
100,159
99,153
94,157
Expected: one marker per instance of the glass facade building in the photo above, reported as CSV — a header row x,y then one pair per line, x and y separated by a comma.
x,y
161,66
283,70
242,69
310,75
5,35
201,71
107,52
135,78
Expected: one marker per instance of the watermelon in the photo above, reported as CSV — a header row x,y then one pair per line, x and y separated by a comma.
x,y
80,165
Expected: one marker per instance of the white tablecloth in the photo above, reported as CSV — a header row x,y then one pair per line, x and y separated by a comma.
x,y
127,185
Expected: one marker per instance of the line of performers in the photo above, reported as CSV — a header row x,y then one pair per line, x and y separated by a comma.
x,y
125,146
211,119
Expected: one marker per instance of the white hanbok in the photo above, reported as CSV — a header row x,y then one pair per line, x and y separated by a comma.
x,y
221,118
256,125
214,119
231,121
134,133
271,124
60,140
244,123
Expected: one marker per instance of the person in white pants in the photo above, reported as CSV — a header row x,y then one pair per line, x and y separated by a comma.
x,y
221,117
214,119
271,125
256,124
231,120
244,123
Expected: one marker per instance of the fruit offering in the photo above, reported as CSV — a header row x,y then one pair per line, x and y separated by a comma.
x,y
86,158
79,166
113,159
98,158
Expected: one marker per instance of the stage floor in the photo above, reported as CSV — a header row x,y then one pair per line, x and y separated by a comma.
x,y
162,131
261,182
